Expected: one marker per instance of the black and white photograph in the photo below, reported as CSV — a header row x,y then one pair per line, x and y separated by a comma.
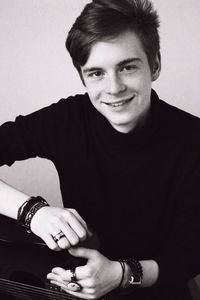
x,y
99,150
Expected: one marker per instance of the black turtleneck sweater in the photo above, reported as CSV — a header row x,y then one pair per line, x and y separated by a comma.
x,y
139,191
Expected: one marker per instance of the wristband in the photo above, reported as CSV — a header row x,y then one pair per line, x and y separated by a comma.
x,y
135,277
28,209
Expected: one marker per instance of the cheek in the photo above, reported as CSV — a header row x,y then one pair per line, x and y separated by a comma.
x,y
94,91
142,82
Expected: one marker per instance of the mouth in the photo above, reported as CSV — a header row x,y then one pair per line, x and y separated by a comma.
x,y
119,102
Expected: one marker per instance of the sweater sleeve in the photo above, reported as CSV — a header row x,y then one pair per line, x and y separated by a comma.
x,y
180,258
36,134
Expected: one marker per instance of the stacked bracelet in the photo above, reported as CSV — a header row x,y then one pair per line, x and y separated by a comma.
x,y
135,275
28,209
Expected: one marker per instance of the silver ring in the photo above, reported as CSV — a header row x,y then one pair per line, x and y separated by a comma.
x,y
72,275
74,286
58,236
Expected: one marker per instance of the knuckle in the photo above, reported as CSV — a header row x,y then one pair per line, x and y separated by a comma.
x,y
67,212
72,210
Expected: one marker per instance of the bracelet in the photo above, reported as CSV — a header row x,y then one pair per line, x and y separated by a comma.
x,y
136,269
135,276
123,270
28,210
24,208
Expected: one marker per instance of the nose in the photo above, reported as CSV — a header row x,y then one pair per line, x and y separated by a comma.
x,y
115,85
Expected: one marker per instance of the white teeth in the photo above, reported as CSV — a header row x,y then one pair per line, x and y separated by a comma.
x,y
118,103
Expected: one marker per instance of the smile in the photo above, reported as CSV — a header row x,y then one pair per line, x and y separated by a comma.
x,y
119,103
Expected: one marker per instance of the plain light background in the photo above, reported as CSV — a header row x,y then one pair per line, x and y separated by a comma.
x,y
36,70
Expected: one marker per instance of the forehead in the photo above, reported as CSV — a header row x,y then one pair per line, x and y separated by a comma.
x,y
110,52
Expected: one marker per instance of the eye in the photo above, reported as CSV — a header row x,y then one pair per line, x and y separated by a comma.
x,y
128,68
95,74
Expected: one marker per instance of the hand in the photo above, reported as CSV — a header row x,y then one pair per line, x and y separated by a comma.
x,y
49,221
97,278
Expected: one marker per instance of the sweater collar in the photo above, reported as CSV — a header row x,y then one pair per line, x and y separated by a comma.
x,y
134,139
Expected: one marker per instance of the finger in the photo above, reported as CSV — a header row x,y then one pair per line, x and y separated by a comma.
x,y
63,274
82,273
81,220
52,276
83,252
49,241
70,234
76,225
64,278
81,294
63,242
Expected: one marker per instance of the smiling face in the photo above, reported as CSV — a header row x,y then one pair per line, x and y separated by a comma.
x,y
118,80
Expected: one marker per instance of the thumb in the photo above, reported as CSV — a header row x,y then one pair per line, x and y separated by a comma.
x,y
81,252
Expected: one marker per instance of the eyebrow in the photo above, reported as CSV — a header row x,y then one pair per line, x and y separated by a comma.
x,y
129,60
121,63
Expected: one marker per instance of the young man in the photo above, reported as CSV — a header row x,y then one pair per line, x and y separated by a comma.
x,y
128,164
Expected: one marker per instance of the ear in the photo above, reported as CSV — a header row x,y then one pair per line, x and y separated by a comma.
x,y
156,67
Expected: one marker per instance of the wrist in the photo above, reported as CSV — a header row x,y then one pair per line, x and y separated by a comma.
x,y
151,272
28,209
118,270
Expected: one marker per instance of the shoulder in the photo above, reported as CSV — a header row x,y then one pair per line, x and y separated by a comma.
x,y
64,109
79,101
179,123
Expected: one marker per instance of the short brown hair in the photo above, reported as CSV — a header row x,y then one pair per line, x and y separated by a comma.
x,y
101,20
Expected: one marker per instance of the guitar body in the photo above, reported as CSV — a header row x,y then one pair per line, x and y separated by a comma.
x,y
27,264
25,261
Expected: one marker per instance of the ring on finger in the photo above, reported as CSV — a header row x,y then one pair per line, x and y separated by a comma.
x,y
72,275
73,285
58,236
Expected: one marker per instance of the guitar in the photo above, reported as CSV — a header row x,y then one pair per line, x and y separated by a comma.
x,y
25,261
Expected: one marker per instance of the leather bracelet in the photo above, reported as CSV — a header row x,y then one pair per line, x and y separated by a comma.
x,y
136,275
28,210
24,208
123,270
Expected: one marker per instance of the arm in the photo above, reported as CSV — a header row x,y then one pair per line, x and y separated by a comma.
x,y
47,221
11,200
100,275
38,135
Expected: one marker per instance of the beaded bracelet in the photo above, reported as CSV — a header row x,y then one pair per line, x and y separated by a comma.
x,y
135,276
28,209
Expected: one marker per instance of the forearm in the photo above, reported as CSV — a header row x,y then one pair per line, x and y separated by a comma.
x,y
10,200
150,272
